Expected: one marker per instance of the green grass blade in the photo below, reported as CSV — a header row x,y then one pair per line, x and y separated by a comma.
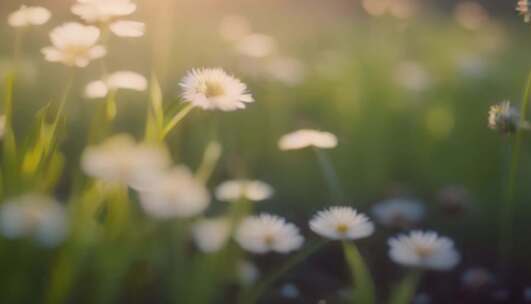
x,y
363,283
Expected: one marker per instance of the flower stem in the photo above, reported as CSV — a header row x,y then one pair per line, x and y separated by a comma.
x,y
363,291
209,162
175,120
507,211
405,290
254,294
330,174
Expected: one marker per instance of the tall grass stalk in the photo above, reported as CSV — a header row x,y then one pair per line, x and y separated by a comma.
x,y
174,121
252,295
507,212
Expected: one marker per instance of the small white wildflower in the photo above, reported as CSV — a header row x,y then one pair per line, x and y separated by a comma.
x,y
247,272
256,45
236,190
424,250
28,15
35,216
119,159
74,44
210,235
340,223
398,212
126,28
307,138
214,89
176,194
103,11
504,118
265,233
96,89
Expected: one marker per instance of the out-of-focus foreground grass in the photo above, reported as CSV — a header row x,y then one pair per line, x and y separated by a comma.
x,y
407,98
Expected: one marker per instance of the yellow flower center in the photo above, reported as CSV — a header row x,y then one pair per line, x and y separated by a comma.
x,y
342,228
269,240
424,251
212,89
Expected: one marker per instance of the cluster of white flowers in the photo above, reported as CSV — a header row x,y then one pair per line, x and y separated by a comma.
x,y
249,190
118,80
108,13
35,216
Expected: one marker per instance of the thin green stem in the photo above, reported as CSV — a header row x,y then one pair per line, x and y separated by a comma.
x,y
254,294
363,290
209,162
176,119
405,290
507,212
330,174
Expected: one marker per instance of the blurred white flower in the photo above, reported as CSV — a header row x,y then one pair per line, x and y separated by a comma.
x,y
175,194
504,117
125,28
307,138
247,272
214,89
475,278
424,250
256,45
524,8
288,70
234,27
236,190
119,159
74,44
341,223
103,11
471,15
265,233
118,80
2,126
35,216
28,15
96,89
412,76
398,212
210,235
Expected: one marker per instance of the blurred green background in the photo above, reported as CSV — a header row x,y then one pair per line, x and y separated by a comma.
x,y
407,97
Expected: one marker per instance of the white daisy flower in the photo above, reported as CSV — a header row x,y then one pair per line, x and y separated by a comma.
x,y
120,159
256,45
424,250
28,15
524,8
74,44
118,80
398,212
505,118
236,190
2,126
176,194
210,235
307,138
265,233
126,28
35,216
103,11
340,223
214,89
